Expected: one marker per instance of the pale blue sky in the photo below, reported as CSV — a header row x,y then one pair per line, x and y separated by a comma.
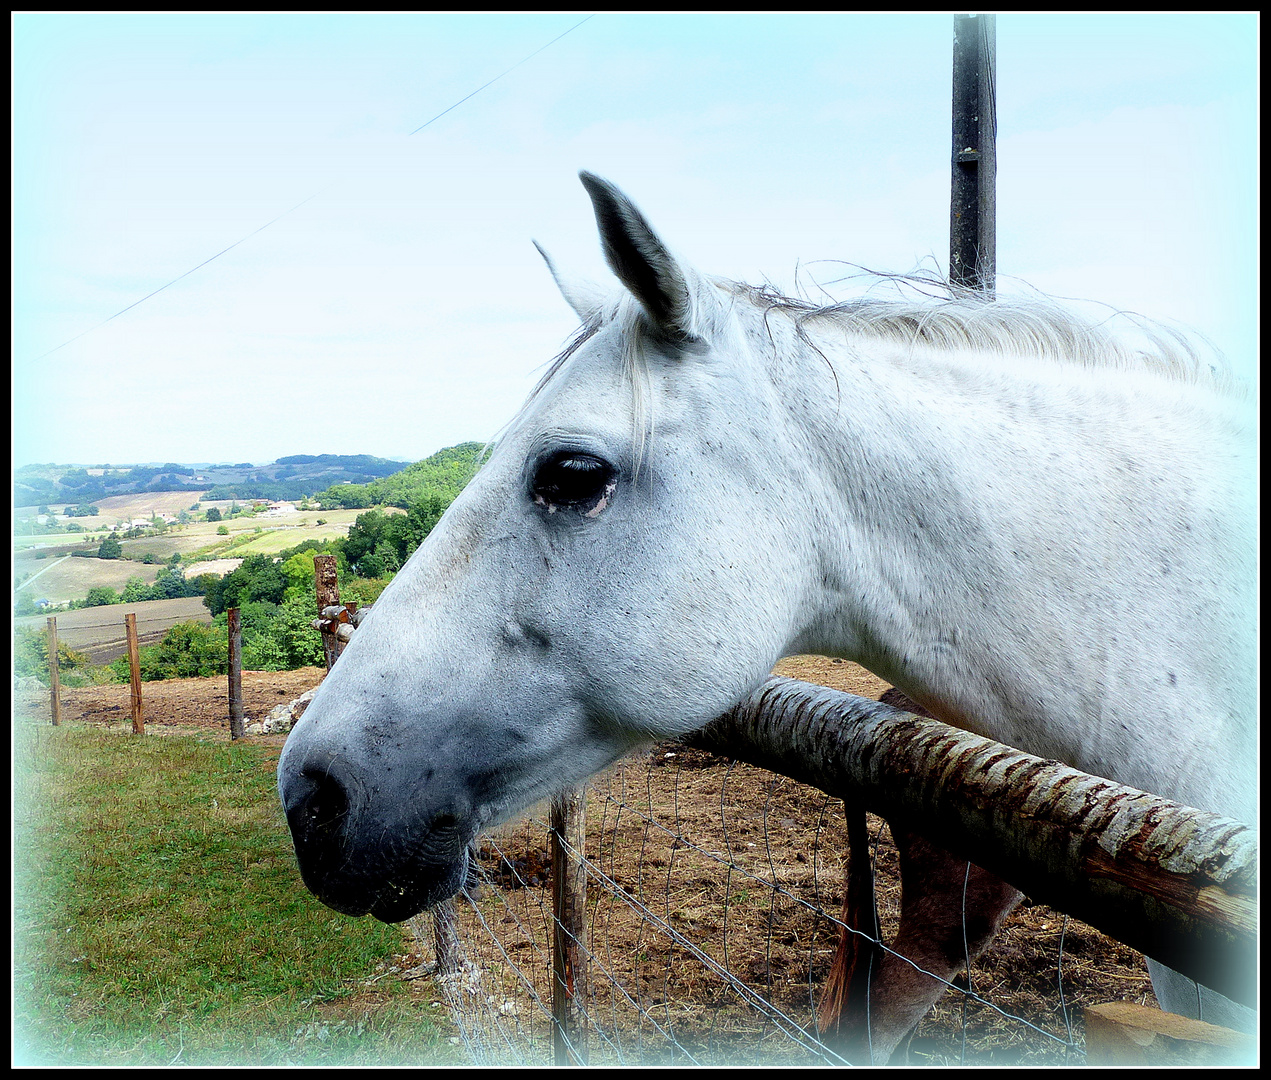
x,y
404,308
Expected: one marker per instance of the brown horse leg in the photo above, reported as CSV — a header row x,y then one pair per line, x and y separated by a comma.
x,y
937,932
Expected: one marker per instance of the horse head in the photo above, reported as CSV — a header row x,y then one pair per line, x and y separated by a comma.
x,y
592,589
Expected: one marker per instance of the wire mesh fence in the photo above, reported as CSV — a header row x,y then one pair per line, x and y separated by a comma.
x,y
713,890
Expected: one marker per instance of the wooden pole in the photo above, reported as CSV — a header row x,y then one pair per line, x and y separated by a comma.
x,y
973,198
446,938
55,685
234,627
1176,883
569,910
328,590
134,668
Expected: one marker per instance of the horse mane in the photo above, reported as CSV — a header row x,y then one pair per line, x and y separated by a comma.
x,y
944,317
948,318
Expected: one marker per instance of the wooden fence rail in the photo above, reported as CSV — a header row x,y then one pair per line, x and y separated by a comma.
x,y
1178,884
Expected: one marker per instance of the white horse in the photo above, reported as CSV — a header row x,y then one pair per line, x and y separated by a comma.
x,y
1035,532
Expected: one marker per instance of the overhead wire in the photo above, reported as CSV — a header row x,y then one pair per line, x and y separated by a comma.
x,y
298,205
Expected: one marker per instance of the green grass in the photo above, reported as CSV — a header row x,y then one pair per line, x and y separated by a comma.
x,y
159,917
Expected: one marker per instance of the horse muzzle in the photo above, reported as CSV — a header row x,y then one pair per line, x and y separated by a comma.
x,y
379,856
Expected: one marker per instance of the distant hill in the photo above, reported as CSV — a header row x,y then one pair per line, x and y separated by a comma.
x,y
295,477
442,475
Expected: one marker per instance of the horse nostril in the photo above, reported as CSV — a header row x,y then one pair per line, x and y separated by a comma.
x,y
324,806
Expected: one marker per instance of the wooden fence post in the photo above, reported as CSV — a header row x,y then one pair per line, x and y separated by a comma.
x,y
569,910
446,938
235,628
55,685
328,590
134,668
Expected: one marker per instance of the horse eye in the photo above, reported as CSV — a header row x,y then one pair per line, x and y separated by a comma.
x,y
578,481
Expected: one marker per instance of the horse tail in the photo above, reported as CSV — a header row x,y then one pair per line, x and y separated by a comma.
x,y
845,997
844,1001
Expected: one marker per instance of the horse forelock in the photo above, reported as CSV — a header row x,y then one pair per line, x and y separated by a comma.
x,y
635,336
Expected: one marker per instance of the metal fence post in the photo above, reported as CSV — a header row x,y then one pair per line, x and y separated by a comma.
x,y
973,197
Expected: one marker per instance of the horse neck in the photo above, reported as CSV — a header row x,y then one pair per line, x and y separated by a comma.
x,y
973,549
898,502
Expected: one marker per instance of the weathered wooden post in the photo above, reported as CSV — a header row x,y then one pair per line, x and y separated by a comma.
x,y
569,910
134,669
973,199
234,628
446,938
55,686
328,590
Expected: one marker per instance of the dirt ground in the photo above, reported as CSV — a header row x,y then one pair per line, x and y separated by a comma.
x,y
773,831
182,706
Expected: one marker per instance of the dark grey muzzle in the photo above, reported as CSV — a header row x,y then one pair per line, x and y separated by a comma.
x,y
361,850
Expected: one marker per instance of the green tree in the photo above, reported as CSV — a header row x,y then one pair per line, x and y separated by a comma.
x,y
110,548
31,653
213,514
135,590
101,596
258,578
301,643
170,583
299,571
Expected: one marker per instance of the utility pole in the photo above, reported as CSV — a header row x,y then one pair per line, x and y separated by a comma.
x,y
973,199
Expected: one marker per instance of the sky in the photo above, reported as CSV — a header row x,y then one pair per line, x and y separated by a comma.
x,y
394,303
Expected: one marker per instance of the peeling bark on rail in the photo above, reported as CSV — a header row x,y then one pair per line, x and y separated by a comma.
x,y
1177,883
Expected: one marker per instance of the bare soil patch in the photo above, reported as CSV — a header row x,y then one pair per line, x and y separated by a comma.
x,y
180,706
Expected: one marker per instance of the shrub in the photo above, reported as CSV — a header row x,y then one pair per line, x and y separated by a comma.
x,y
187,650
31,654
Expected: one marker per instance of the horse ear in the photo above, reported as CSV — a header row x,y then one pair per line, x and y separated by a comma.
x,y
640,259
585,298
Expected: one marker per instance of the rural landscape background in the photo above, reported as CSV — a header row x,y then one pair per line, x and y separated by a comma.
x,y
177,544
